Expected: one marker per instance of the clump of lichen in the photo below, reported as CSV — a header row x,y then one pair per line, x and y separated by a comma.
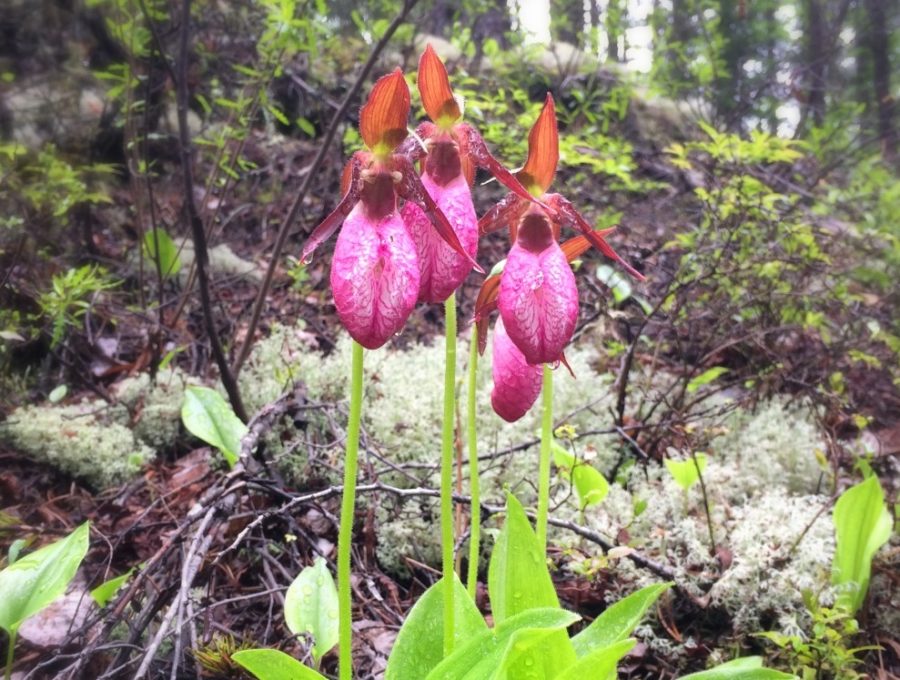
x,y
87,440
103,443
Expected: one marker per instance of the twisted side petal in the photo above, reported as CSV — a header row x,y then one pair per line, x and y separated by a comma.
x,y
441,268
374,277
538,301
517,383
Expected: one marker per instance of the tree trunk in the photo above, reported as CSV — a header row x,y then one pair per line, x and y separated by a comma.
x,y
816,59
878,42
615,20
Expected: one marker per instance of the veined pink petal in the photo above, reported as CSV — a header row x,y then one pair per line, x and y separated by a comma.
x,y
441,268
538,301
374,277
517,383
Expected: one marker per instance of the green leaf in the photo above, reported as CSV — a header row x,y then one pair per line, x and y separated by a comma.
x,y
618,621
14,549
747,668
103,593
419,646
271,664
481,656
686,472
207,416
57,394
518,580
590,485
600,663
166,256
862,524
311,606
37,579
705,378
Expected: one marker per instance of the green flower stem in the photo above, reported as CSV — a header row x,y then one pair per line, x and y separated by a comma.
x,y
9,653
345,531
544,469
474,487
447,469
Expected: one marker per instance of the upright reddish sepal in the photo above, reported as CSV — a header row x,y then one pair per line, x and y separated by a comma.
x,y
382,121
434,87
517,383
543,151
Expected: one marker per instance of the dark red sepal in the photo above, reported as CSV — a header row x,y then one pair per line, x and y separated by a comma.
x,y
411,188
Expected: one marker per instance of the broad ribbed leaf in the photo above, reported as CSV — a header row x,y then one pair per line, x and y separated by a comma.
x,y
271,664
748,668
34,581
862,524
482,655
419,646
311,606
618,621
207,416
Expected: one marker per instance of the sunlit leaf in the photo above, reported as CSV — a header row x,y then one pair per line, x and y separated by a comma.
x,y
207,416
37,579
272,664
311,606
419,646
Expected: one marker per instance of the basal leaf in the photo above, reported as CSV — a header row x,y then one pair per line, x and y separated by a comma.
x,y
166,254
419,646
271,664
862,524
600,663
311,606
747,668
518,580
208,416
481,655
34,581
618,621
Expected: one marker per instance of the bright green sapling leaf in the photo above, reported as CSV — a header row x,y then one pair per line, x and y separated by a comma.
x,y
618,621
103,593
706,377
600,663
518,580
167,255
590,485
311,606
208,416
686,472
746,668
862,524
272,664
37,579
419,646
481,656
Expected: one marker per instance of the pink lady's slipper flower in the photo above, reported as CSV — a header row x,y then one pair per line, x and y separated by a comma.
x,y
451,152
375,270
517,383
537,296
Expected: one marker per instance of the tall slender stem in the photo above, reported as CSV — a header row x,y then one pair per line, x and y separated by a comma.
x,y
345,531
9,653
544,469
474,486
447,469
